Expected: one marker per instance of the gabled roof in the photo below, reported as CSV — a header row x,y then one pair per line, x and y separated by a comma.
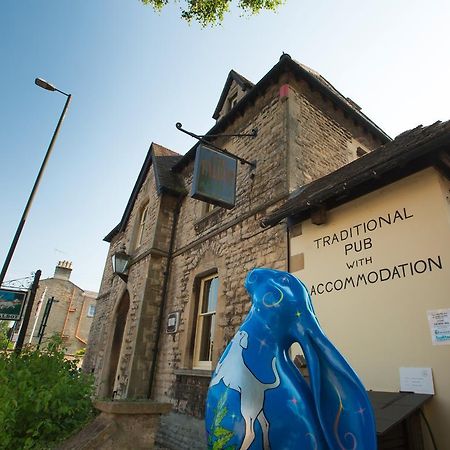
x,y
240,80
409,152
163,160
287,65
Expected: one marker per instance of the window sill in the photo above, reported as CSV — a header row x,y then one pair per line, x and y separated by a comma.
x,y
193,372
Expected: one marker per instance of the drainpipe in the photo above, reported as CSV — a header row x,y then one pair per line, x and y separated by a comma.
x,y
176,215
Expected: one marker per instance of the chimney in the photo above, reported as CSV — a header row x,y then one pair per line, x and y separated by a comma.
x,y
63,270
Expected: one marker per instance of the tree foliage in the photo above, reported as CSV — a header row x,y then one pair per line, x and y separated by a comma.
x,y
211,12
4,329
44,398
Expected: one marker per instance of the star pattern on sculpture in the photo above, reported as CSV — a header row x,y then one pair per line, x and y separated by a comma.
x,y
262,343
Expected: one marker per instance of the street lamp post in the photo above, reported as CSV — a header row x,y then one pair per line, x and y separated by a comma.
x,y
43,84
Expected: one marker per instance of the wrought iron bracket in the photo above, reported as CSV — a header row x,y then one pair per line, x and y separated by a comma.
x,y
19,283
203,138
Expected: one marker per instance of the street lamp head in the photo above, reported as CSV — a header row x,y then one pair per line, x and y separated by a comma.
x,y
120,262
43,84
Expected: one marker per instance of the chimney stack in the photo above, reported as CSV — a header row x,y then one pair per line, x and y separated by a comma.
x,y
63,270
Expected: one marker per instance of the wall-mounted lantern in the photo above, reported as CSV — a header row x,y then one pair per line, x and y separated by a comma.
x,y
120,263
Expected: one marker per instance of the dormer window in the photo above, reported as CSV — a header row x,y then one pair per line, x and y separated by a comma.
x,y
234,90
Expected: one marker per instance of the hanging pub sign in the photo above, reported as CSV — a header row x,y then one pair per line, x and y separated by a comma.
x,y
214,177
11,303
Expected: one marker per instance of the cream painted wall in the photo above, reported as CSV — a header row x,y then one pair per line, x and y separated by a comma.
x,y
383,325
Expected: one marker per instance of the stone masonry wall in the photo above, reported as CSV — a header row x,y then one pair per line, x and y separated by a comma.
x,y
322,138
231,243
233,253
266,184
113,289
148,324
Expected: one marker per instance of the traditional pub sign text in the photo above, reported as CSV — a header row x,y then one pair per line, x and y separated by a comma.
x,y
357,243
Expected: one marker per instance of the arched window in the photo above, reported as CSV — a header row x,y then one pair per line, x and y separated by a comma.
x,y
141,225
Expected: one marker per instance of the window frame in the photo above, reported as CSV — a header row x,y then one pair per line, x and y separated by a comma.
x,y
89,313
200,322
141,225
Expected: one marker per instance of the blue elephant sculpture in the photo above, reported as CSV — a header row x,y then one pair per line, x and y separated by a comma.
x,y
258,399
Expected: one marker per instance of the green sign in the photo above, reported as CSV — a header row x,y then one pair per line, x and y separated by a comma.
x,y
214,178
11,303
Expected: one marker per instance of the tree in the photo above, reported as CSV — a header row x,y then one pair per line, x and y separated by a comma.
x,y
211,12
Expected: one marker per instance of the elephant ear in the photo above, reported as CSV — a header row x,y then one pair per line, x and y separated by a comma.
x,y
341,401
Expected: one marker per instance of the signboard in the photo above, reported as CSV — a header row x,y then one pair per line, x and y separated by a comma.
x,y
214,177
172,322
11,303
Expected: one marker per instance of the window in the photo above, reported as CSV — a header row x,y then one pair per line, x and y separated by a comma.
x,y
206,318
91,311
141,229
232,101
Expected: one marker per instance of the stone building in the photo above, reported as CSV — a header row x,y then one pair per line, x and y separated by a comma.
x,y
158,334
62,308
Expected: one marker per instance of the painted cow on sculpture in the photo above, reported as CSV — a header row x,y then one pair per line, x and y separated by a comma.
x,y
258,399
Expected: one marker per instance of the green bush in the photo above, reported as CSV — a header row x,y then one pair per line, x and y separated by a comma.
x,y
4,329
44,398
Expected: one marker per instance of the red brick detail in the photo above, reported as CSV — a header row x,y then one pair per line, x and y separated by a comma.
x,y
284,91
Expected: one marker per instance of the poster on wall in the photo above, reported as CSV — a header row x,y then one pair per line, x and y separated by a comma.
x,y
439,321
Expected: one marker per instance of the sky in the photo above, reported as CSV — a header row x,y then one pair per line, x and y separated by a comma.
x,y
133,73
